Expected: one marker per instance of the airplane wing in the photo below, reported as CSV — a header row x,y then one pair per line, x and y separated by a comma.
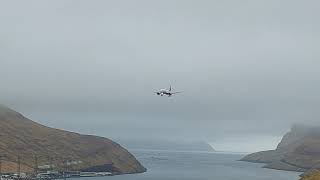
x,y
176,92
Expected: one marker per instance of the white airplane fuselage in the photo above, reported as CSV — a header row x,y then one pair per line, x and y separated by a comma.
x,y
162,92
167,92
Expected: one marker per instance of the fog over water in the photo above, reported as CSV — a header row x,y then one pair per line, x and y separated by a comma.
x,y
248,69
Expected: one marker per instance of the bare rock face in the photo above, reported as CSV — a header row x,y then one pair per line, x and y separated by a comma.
x,y
299,150
33,142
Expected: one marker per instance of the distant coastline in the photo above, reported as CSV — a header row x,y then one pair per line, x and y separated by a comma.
x,y
136,144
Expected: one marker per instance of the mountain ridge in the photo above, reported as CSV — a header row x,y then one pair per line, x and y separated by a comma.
x,y
26,139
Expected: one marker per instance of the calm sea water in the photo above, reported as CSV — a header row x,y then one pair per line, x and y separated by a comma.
x,y
165,165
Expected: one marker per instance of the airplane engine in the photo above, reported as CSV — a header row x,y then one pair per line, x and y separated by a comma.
x,y
158,93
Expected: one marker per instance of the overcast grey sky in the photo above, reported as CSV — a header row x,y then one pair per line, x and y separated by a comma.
x,y
247,68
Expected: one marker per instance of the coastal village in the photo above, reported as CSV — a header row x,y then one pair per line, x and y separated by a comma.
x,y
68,169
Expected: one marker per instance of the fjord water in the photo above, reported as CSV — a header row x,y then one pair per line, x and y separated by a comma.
x,y
169,165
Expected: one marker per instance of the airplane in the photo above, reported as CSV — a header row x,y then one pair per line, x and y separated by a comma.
x,y
169,92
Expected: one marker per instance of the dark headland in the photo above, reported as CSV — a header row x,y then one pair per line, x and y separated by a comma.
x,y
299,150
30,143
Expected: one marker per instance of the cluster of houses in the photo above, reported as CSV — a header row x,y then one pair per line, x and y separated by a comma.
x,y
70,174
52,175
50,171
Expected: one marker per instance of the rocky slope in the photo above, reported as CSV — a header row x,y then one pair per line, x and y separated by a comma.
x,y
33,142
314,175
299,150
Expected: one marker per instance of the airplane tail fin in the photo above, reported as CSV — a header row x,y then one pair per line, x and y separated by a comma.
x,y
170,88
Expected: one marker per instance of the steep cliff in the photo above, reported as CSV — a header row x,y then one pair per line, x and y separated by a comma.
x,y
33,142
299,150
